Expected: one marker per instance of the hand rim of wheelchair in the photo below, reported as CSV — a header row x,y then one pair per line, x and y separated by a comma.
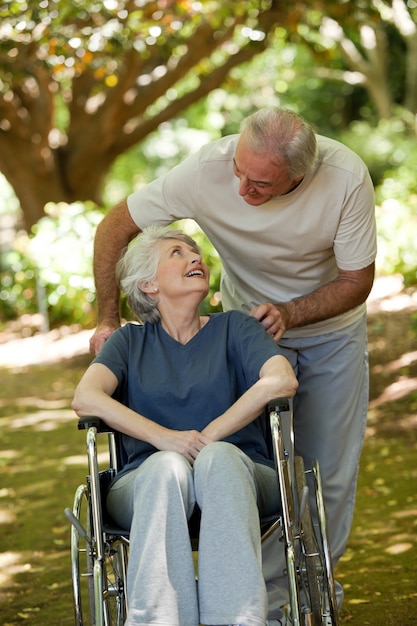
x,y
99,566
314,565
312,595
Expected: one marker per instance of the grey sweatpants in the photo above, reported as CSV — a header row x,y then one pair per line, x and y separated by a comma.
x,y
330,413
156,500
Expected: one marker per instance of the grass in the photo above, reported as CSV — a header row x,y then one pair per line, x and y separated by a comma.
x,y
42,460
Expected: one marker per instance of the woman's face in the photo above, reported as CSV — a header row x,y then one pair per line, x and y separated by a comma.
x,y
180,270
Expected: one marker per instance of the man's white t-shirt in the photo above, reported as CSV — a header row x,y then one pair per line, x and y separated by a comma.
x,y
283,249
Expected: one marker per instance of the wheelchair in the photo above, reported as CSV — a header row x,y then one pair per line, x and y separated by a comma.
x,y
100,550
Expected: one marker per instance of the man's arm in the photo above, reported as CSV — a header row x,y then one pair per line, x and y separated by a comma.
x,y
348,290
112,236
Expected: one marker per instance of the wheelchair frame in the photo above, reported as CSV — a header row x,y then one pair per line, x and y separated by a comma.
x,y
99,550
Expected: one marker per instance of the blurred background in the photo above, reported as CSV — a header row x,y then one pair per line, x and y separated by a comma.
x,y
98,98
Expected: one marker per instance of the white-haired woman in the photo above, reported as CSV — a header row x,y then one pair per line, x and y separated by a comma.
x,y
189,391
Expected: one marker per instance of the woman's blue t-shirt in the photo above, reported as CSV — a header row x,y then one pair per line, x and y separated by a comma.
x,y
185,387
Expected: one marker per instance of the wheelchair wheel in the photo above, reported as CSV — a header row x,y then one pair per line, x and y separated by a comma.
x,y
82,559
114,592
325,546
316,584
99,585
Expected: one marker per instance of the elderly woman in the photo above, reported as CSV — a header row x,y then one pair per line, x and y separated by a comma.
x,y
189,389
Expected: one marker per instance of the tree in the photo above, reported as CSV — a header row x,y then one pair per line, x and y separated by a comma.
x,y
81,82
376,42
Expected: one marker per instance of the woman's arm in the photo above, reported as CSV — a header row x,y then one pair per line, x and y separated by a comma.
x,y
93,397
276,379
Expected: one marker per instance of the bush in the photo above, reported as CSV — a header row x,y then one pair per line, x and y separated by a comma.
x,y
50,271
390,151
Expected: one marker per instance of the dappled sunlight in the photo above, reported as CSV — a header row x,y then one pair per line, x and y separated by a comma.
x,y
412,513
38,491
39,403
356,601
43,348
6,517
39,486
399,389
12,563
393,371
380,559
34,566
40,420
31,464
399,548
8,454
404,360
81,459
405,423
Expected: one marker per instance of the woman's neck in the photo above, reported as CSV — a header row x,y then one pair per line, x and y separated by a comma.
x,y
182,327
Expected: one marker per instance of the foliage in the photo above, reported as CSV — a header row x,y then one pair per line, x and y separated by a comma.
x,y
284,75
82,82
391,155
50,272
372,45
18,286
158,153
336,62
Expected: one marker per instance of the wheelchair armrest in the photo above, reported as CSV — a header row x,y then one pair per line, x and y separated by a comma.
x,y
280,405
84,423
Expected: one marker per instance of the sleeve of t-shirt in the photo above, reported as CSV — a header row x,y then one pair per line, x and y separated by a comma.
x,y
114,353
170,197
251,346
355,243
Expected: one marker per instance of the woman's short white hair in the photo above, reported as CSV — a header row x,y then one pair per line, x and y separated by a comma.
x,y
139,263
281,134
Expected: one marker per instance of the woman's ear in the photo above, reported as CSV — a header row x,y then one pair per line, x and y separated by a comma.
x,y
148,286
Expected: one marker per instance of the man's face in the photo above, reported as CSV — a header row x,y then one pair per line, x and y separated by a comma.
x,y
260,179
